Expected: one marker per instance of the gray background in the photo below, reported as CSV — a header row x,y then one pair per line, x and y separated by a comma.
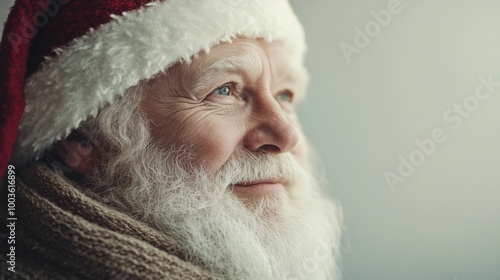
x,y
443,222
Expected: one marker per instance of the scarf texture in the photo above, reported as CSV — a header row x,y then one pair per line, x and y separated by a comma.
x,y
62,233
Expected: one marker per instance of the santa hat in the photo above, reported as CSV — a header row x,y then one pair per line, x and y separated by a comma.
x,y
62,60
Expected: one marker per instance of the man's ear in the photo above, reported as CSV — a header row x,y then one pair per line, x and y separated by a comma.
x,y
75,154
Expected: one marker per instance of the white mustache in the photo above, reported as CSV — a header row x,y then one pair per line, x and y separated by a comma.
x,y
244,167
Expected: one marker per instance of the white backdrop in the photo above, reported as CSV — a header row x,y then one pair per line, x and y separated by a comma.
x,y
404,85
443,221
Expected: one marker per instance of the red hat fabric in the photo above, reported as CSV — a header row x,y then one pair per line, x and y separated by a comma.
x,y
62,60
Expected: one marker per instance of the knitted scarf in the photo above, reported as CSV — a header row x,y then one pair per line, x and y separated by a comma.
x,y
61,233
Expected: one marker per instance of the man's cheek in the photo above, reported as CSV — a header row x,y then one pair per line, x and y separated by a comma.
x,y
301,151
176,125
212,148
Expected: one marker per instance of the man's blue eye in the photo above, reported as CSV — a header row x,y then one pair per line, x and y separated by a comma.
x,y
225,90
285,96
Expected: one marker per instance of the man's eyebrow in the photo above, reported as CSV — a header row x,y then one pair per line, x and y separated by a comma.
x,y
234,63
226,64
293,74
297,75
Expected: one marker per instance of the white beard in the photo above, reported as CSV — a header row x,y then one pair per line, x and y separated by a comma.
x,y
295,235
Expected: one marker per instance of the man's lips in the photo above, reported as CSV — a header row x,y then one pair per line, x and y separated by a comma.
x,y
263,182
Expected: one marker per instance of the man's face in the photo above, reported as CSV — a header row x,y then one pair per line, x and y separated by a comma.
x,y
240,97
211,154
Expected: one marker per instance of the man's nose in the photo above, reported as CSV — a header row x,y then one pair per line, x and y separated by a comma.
x,y
270,129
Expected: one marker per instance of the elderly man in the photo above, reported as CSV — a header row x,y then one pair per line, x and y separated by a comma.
x,y
159,141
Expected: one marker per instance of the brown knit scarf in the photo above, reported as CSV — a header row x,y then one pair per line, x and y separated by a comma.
x,y
61,233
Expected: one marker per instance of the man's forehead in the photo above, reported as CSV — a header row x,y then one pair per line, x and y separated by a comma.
x,y
239,54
